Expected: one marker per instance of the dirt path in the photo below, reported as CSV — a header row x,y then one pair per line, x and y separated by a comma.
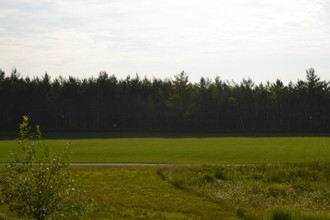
x,y
101,164
129,164
105,164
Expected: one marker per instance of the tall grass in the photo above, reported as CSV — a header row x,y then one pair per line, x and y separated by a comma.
x,y
287,213
255,187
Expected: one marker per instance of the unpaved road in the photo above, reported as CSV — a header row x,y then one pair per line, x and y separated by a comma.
x,y
109,164
131,164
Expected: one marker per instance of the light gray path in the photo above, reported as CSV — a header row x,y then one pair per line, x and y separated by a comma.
x,y
131,164
128,164
105,164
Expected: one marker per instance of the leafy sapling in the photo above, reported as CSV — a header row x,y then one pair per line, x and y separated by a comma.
x,y
38,184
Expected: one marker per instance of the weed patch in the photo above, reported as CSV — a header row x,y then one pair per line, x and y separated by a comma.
x,y
253,187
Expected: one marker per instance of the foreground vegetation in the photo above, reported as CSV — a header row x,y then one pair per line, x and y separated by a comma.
x,y
201,150
138,193
295,186
291,191
37,183
300,191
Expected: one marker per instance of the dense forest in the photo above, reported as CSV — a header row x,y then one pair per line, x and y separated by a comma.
x,y
132,104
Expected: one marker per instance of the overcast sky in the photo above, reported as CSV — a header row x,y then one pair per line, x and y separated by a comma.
x,y
232,39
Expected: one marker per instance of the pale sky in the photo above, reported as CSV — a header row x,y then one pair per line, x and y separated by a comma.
x,y
232,39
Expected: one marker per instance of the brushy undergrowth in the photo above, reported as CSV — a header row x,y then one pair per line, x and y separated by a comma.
x,y
299,187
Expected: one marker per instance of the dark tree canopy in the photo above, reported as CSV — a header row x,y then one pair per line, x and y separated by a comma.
x,y
107,103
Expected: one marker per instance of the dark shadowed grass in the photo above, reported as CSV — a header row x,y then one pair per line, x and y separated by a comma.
x,y
206,150
289,213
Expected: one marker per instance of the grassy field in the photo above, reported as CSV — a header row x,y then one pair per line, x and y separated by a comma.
x,y
202,150
296,192
282,191
138,193
295,188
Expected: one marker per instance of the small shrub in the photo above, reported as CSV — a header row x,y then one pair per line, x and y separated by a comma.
x,y
257,176
220,175
241,212
281,214
277,190
161,173
2,217
276,177
38,185
208,178
179,183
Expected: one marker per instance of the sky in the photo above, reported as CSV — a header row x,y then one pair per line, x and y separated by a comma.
x,y
263,40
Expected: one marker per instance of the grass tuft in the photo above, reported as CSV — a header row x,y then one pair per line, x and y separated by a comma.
x,y
281,214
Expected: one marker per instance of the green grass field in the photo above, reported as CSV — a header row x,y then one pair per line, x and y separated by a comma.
x,y
294,189
257,192
202,150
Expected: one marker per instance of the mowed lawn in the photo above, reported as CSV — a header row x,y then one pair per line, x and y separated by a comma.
x,y
204,150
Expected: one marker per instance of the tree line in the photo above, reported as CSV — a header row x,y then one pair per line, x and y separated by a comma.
x,y
107,103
